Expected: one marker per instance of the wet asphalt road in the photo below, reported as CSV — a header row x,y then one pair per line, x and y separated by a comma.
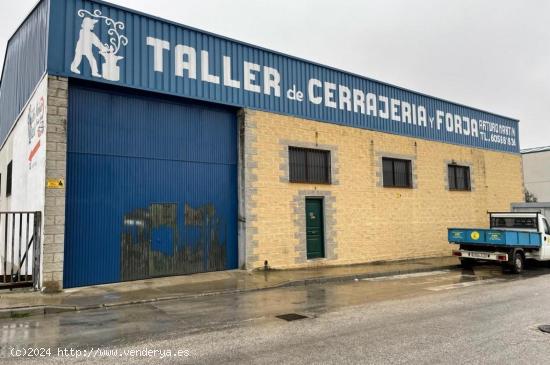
x,y
446,316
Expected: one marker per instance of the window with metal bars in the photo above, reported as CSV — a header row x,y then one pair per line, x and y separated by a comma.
x,y
309,165
396,172
459,177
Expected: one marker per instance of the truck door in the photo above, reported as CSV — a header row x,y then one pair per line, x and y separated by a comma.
x,y
545,249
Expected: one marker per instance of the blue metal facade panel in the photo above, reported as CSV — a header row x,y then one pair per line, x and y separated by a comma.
x,y
24,66
126,155
345,98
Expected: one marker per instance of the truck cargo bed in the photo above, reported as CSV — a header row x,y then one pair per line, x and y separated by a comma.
x,y
494,237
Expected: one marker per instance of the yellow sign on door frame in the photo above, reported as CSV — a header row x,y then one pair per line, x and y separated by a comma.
x,y
56,183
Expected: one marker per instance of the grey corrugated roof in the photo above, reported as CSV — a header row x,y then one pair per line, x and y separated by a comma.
x,y
535,149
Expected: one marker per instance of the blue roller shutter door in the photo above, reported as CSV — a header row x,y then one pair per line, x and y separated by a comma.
x,y
151,187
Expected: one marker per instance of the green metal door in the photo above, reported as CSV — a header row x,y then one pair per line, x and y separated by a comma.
x,y
315,228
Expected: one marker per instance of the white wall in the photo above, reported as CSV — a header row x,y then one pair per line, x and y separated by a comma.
x,y
26,148
536,172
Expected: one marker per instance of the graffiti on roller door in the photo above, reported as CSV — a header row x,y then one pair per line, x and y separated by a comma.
x,y
154,245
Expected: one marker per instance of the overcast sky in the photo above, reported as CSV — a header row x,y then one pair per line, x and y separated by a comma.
x,y
490,54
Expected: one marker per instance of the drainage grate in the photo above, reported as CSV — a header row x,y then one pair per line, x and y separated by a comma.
x,y
545,328
291,317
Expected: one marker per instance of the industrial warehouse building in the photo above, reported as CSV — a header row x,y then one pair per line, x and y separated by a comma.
x,y
154,149
536,172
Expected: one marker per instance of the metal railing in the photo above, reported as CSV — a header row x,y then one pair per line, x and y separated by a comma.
x,y
20,237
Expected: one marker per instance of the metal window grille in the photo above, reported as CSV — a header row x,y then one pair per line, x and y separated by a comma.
x,y
309,165
396,172
459,177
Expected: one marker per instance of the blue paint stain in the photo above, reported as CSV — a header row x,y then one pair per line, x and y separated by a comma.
x,y
162,240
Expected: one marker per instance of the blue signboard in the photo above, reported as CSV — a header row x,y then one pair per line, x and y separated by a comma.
x,y
97,41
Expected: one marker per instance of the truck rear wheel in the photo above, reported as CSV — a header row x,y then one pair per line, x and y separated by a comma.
x,y
518,263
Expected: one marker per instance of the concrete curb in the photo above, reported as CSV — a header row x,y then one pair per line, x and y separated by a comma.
x,y
23,312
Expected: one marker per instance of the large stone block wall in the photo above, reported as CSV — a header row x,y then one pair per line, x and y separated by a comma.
x,y
56,160
364,221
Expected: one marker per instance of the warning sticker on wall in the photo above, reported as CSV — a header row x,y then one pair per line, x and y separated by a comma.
x,y
56,183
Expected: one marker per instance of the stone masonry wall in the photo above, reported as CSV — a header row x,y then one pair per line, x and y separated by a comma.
x,y
364,221
54,210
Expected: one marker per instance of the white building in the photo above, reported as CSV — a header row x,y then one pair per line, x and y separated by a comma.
x,y
536,172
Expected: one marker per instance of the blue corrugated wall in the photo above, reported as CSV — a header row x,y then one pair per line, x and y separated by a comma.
x,y
129,152
24,65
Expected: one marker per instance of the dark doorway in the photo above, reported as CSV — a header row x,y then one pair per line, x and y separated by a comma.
x,y
315,228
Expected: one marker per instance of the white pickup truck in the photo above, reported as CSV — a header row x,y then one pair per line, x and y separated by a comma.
x,y
511,238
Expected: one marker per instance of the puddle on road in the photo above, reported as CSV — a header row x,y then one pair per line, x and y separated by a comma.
x,y
466,284
407,276
106,327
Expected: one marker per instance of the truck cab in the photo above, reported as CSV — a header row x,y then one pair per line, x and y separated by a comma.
x,y
512,238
